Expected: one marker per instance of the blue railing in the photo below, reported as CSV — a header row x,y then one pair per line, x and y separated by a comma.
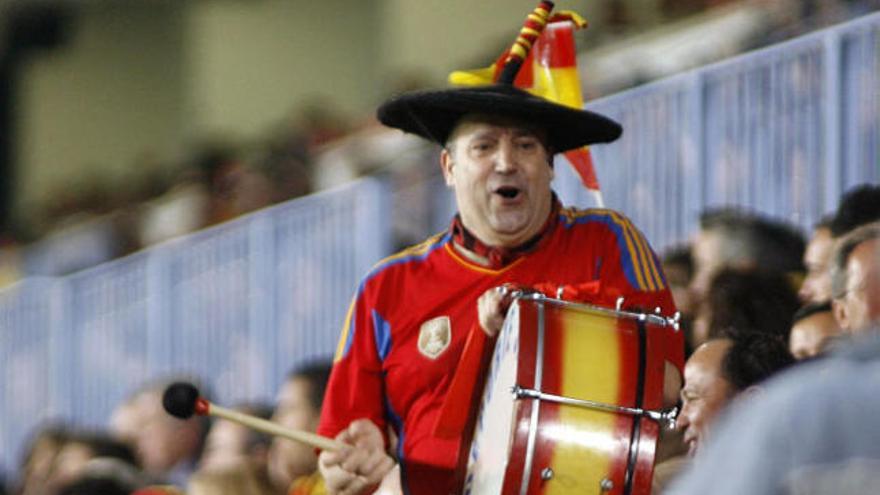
x,y
784,130
238,304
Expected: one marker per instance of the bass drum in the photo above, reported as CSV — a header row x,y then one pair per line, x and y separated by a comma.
x,y
571,402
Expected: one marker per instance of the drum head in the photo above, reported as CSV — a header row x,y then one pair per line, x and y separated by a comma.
x,y
490,449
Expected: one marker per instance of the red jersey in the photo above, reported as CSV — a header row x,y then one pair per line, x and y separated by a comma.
x,y
409,320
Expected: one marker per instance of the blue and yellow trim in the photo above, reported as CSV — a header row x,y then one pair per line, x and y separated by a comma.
x,y
419,251
639,262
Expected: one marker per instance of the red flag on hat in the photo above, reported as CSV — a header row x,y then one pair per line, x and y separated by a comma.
x,y
549,71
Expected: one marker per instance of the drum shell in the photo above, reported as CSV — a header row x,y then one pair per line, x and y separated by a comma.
x,y
588,353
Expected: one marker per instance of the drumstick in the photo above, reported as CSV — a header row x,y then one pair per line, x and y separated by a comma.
x,y
182,400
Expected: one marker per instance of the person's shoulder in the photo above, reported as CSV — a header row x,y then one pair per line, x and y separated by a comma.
x,y
595,219
408,257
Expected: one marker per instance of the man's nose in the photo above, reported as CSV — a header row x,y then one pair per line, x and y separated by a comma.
x,y
682,421
506,160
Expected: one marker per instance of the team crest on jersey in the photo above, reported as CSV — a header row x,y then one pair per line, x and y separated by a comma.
x,y
434,336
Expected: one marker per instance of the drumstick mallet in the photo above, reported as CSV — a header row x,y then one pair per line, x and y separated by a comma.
x,y
182,400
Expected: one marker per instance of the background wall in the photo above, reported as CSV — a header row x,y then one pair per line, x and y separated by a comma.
x,y
139,82
111,95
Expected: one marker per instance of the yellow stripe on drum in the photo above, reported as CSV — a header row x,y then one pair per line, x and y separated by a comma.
x,y
586,441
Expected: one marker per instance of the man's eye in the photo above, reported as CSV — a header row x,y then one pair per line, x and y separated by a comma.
x,y
481,147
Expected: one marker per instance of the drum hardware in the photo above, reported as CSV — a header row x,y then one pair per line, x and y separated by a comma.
x,y
665,418
606,485
546,474
539,376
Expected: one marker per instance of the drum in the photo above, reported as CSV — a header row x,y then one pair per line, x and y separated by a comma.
x,y
572,402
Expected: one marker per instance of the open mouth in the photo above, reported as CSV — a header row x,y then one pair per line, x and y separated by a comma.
x,y
508,192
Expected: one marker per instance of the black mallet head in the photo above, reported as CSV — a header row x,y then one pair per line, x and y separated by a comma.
x,y
180,400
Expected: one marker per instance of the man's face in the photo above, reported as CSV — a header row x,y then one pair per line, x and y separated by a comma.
x,y
810,335
288,459
706,392
501,173
817,285
859,308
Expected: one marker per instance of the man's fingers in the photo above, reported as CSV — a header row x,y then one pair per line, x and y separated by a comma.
x,y
377,466
357,486
365,433
354,462
337,479
491,308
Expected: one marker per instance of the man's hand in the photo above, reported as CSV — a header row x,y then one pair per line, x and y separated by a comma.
x,y
492,308
360,468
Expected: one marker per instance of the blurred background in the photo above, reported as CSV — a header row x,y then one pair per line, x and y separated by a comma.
x,y
196,186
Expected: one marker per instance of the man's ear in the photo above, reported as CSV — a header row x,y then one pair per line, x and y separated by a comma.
x,y
446,165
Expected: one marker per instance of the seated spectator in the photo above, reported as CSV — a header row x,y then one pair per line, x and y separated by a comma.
x,y
79,450
858,206
812,431
855,279
292,465
230,444
746,301
167,448
717,372
813,326
39,459
739,239
816,286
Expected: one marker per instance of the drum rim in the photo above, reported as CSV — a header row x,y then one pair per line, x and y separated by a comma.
x,y
651,318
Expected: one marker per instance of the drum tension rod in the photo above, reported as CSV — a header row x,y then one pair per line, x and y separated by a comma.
x,y
665,417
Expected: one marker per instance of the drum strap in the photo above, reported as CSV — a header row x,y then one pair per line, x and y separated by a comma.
x,y
456,409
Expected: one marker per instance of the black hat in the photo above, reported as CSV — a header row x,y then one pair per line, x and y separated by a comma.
x,y
434,114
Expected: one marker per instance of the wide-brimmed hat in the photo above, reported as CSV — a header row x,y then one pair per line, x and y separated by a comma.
x,y
434,114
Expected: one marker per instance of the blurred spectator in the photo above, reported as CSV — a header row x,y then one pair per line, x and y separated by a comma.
x,y
813,326
230,444
292,465
858,206
127,419
735,238
816,287
746,301
168,448
39,459
79,449
184,208
232,480
855,279
234,187
678,266
812,431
